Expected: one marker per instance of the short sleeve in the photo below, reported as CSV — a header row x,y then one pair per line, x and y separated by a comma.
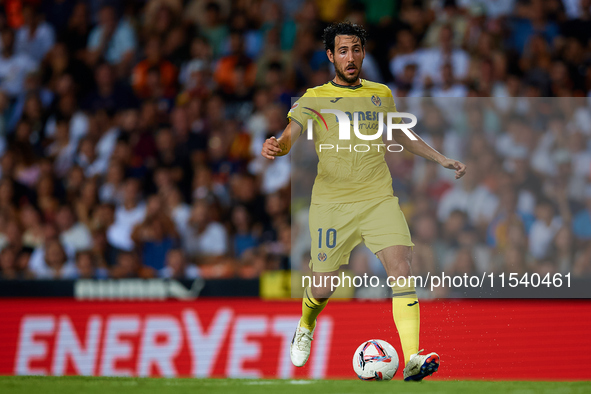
x,y
300,110
389,104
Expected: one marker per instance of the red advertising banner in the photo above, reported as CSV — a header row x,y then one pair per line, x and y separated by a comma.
x,y
476,339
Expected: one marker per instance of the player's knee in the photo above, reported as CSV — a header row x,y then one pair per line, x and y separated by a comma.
x,y
321,294
399,267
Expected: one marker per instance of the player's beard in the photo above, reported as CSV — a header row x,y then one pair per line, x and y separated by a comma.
x,y
345,77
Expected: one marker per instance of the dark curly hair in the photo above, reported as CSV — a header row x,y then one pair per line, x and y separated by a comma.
x,y
343,29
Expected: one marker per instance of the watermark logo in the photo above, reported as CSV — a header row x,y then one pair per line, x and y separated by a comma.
x,y
371,119
344,122
317,117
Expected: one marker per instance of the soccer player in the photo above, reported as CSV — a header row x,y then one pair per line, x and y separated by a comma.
x,y
352,197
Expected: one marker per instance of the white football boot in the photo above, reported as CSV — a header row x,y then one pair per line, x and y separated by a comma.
x,y
420,366
301,344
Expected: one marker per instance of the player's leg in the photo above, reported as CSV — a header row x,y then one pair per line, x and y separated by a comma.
x,y
314,300
405,304
405,308
386,234
334,233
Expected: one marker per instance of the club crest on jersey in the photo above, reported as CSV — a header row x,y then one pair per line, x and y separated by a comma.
x,y
376,101
321,256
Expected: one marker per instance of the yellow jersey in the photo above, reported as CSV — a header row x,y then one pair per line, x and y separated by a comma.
x,y
352,170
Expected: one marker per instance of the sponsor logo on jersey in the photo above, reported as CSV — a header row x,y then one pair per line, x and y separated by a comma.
x,y
335,99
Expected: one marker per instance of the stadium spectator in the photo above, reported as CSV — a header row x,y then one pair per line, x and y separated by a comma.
x,y
87,268
177,266
531,21
45,195
8,263
104,253
514,261
11,264
57,13
161,16
212,26
86,201
32,103
582,220
563,250
109,94
168,159
111,191
62,151
129,212
88,159
174,101
112,39
507,212
106,134
206,188
470,197
179,211
64,73
73,234
544,229
154,63
582,267
75,35
193,75
429,250
30,219
14,66
156,235
463,263
448,86
67,109
432,60
236,71
205,238
243,236
36,37
54,263
129,266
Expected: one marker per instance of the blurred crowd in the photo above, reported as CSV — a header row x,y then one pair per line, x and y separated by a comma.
x,y
130,132
524,205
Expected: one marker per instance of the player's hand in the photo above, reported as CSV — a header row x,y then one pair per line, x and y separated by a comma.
x,y
271,148
455,165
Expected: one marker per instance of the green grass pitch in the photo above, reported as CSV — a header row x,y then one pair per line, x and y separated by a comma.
x,y
91,385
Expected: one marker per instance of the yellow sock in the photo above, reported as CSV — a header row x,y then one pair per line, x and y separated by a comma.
x,y
311,308
405,308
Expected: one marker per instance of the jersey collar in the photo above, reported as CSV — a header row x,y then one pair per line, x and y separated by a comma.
x,y
346,86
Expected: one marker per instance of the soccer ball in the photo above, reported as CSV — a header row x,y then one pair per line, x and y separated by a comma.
x,y
375,360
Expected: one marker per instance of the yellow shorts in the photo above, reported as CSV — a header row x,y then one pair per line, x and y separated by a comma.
x,y
336,229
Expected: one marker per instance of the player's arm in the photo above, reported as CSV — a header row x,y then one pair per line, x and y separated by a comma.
x,y
282,145
421,148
